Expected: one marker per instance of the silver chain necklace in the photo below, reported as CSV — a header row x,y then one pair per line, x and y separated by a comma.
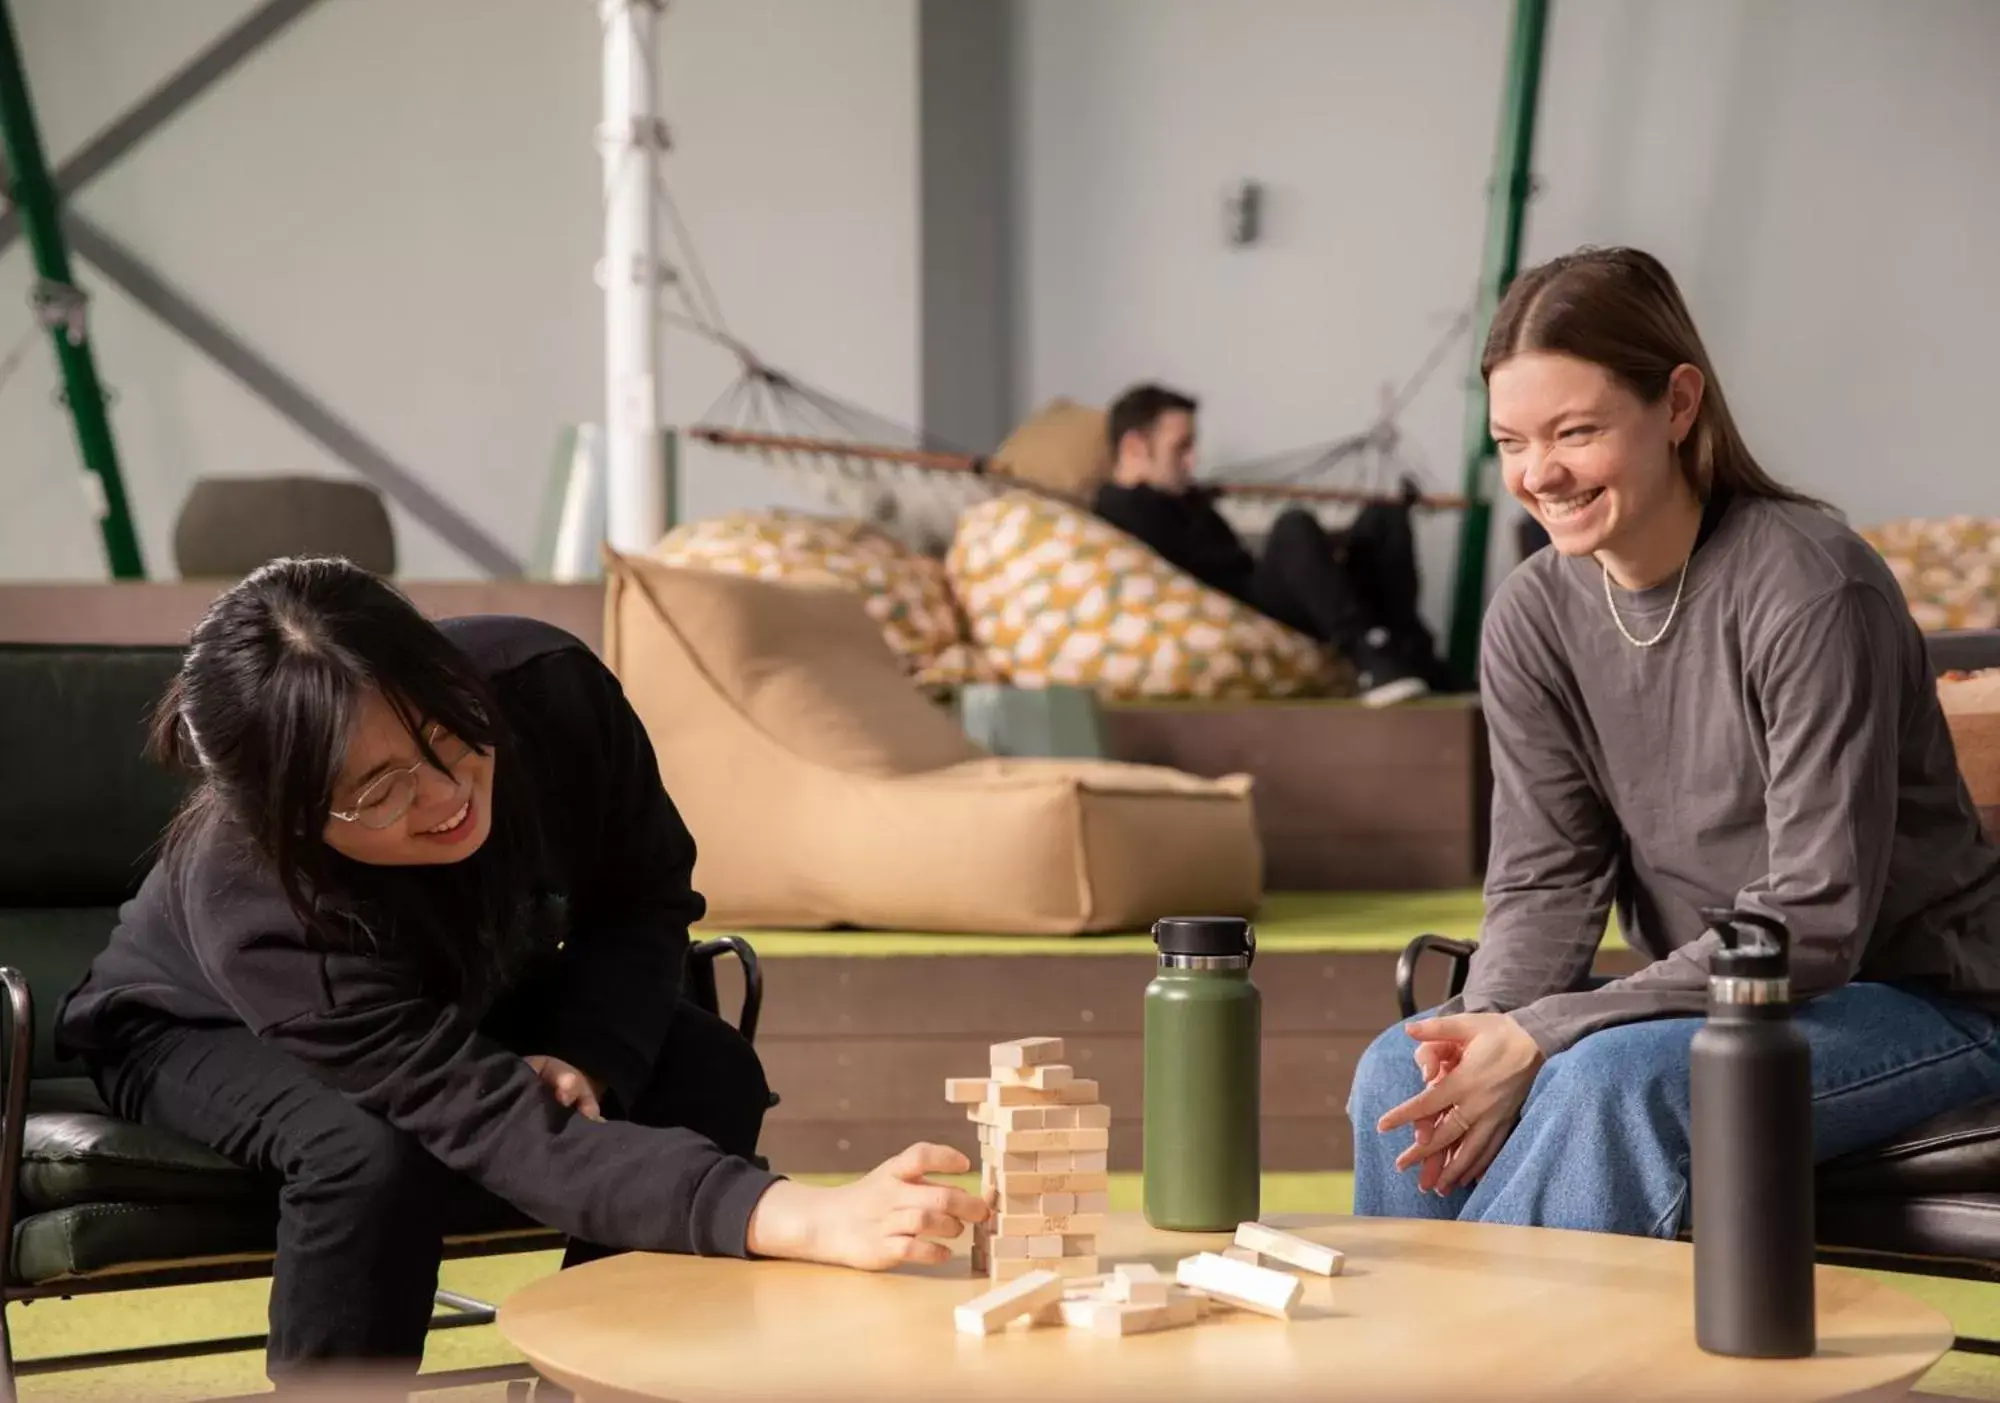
x,y
1672,610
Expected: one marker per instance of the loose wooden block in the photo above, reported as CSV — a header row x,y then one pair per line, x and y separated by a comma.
x,y
1007,1117
1085,1288
1140,1283
1046,1077
1115,1318
1292,1250
1026,1052
1044,1246
1037,1225
961,1090
1203,1305
1096,1117
1260,1289
1098,1202
1053,1161
1079,1091
1055,1203
984,1314
1088,1161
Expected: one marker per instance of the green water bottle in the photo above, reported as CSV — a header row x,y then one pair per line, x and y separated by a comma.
x,y
1204,1024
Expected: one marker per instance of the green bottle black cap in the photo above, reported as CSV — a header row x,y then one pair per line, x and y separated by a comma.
x,y
1204,935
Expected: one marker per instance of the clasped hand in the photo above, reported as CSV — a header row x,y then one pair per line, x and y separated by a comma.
x,y
1478,1068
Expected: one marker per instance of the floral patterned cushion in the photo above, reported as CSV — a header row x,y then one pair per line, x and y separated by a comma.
x,y
1056,596
1949,568
907,594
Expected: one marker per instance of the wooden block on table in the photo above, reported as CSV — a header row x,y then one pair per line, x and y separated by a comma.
x,y
984,1314
1008,1117
1115,1318
1096,1117
1008,1268
1242,1254
1045,1077
1138,1283
1037,1225
1292,1250
1026,1052
1202,1304
1088,1161
963,1090
1240,1284
1044,1246
1083,1288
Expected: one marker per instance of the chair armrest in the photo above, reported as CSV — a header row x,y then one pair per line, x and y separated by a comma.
x,y
20,1071
1458,951
701,977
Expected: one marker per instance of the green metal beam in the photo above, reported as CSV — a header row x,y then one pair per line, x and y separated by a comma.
x,y
61,305
1506,209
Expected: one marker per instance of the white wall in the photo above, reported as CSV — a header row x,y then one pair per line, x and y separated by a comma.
x,y
399,204
1818,173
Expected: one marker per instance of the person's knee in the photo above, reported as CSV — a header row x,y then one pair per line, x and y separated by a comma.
x,y
1295,524
1616,1074
363,1158
1385,1076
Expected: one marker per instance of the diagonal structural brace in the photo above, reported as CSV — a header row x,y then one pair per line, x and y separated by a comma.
x,y
284,394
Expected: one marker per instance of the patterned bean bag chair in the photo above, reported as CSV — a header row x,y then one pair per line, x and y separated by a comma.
x,y
906,594
1054,595
1949,568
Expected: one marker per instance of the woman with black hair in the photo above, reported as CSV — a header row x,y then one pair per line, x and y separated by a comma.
x,y
417,936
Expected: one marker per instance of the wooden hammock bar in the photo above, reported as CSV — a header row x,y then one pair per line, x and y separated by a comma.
x,y
973,465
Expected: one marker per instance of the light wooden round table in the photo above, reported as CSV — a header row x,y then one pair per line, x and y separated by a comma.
x,y
1423,1310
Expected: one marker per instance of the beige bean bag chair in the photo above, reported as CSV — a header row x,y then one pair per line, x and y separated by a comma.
x,y
823,790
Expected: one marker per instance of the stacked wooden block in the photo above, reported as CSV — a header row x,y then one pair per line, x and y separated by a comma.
x,y
1043,1139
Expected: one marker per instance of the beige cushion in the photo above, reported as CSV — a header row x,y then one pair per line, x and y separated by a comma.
x,y
825,817
1056,595
1062,449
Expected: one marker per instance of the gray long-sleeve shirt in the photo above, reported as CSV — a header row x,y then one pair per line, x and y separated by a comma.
x,y
1780,750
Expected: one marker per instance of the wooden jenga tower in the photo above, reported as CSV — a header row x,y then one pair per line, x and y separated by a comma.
x,y
1043,1137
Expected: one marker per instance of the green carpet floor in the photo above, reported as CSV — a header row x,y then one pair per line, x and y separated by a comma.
x,y
1299,921
237,1308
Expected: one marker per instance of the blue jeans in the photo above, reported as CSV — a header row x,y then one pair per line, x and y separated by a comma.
x,y
1602,1142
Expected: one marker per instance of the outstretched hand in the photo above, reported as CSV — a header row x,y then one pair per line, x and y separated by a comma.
x,y
892,1215
1478,1069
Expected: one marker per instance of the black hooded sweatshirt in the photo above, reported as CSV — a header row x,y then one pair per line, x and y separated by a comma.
x,y
215,942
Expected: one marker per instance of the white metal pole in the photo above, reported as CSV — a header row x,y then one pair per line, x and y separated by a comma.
x,y
630,140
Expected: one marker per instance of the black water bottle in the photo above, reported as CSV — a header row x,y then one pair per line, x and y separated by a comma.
x,y
1750,1089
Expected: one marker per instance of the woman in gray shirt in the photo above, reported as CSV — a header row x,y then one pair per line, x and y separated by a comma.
x,y
1709,694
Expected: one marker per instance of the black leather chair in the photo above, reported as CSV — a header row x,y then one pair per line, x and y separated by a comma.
x,y
1927,1202
89,1202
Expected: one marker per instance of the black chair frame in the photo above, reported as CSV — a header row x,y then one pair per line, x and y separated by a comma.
x,y
457,1311
1459,955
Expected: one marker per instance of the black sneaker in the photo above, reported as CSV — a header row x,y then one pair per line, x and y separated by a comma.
x,y
1383,674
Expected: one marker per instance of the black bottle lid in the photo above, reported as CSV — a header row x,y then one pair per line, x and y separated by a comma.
x,y
1204,935
1754,946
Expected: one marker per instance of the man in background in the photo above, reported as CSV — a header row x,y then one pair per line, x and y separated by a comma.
x,y
1356,591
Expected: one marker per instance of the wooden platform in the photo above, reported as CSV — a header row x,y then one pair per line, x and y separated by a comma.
x,y
858,1047
1347,798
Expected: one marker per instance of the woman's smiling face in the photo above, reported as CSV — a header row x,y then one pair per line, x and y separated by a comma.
x,y
394,808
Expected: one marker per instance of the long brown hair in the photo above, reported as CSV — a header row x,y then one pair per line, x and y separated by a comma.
x,y
1620,309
